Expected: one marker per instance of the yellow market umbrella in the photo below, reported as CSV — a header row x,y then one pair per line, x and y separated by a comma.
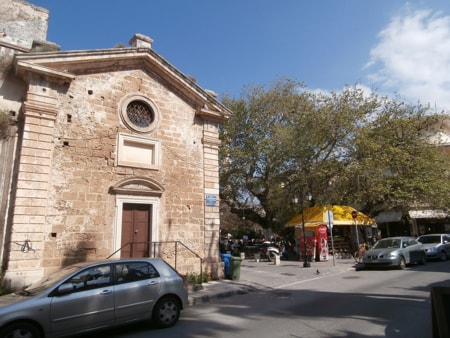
x,y
342,216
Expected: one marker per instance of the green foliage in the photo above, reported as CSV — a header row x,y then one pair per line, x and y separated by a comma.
x,y
4,289
4,124
197,278
345,148
395,164
241,231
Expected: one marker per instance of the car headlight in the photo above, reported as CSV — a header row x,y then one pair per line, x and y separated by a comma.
x,y
433,249
393,254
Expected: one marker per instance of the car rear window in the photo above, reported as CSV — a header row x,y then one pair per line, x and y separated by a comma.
x,y
166,269
429,239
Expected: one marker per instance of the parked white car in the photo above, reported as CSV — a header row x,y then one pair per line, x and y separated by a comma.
x,y
437,246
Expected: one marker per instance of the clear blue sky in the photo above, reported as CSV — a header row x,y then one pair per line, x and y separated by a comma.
x,y
391,46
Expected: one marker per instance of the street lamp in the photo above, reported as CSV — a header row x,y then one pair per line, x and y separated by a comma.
x,y
306,264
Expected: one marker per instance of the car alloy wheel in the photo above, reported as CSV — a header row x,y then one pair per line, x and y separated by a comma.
x,y
166,312
20,330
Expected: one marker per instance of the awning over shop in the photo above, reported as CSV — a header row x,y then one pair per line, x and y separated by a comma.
x,y
439,214
342,216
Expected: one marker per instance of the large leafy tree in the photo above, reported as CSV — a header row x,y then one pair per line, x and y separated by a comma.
x,y
395,164
344,148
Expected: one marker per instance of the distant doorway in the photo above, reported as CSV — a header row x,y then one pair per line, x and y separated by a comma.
x,y
136,230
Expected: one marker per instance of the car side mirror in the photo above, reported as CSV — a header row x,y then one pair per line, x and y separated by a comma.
x,y
65,288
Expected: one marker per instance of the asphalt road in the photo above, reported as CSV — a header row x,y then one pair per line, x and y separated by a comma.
x,y
347,303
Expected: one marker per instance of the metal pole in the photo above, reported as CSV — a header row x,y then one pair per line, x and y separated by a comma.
x,y
306,264
332,245
330,218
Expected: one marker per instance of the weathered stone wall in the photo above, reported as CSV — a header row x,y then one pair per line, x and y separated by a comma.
x,y
22,22
213,264
72,205
63,208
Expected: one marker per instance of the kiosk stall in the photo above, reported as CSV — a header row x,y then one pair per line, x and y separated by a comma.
x,y
350,228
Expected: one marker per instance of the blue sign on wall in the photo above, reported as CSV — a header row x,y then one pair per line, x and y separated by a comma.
x,y
211,200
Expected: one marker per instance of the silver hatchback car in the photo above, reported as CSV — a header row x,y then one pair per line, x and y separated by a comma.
x,y
90,296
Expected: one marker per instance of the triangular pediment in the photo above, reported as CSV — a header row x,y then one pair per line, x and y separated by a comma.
x,y
63,67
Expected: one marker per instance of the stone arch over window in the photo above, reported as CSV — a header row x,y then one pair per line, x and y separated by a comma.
x,y
139,113
138,186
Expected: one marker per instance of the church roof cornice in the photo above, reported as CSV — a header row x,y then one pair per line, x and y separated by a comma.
x,y
65,65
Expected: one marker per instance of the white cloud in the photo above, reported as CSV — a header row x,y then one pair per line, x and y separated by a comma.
x,y
412,58
366,91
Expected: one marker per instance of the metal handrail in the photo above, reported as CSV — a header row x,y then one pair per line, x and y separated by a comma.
x,y
154,246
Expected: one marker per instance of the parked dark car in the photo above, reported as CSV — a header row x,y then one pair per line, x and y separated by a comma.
x,y
86,297
395,252
437,246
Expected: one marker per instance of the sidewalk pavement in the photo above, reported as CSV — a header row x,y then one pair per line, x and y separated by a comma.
x,y
265,276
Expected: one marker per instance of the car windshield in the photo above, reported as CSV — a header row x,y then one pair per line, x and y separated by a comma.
x,y
429,239
387,243
48,281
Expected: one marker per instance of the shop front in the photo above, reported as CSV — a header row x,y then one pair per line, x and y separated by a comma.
x,y
341,235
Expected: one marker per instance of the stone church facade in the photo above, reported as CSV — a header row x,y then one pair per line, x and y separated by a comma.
x,y
108,153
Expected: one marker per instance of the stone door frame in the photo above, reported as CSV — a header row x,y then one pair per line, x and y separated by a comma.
x,y
120,201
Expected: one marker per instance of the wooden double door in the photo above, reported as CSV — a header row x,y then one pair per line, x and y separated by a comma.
x,y
136,230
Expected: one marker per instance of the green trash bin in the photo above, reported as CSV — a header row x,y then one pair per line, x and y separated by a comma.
x,y
235,268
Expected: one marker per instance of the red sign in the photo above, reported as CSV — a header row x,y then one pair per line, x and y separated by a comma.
x,y
354,214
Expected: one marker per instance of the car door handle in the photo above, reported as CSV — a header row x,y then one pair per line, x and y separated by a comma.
x,y
153,282
105,292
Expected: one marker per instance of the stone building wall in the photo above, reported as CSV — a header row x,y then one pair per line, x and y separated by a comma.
x,y
69,164
70,171
21,23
